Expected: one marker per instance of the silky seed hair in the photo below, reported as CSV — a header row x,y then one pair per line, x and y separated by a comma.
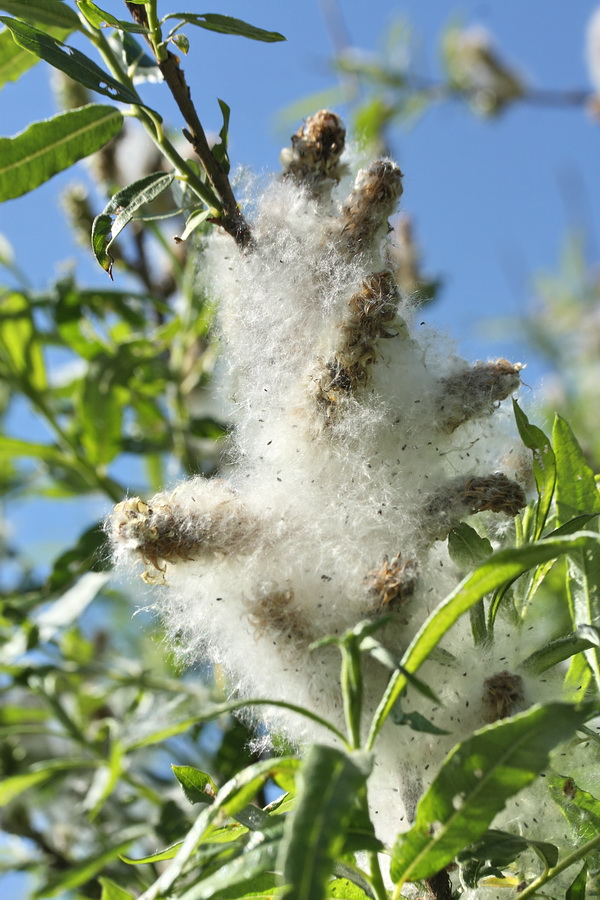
x,y
359,439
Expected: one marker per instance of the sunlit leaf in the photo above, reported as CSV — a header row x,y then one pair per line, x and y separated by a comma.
x,y
226,25
580,808
501,567
69,60
52,145
544,465
20,345
577,888
112,891
99,18
14,60
330,783
474,783
198,787
577,494
43,12
123,205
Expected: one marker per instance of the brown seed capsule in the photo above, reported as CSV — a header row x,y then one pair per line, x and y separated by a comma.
x,y
502,695
162,532
273,613
316,149
476,391
394,583
462,497
370,313
366,211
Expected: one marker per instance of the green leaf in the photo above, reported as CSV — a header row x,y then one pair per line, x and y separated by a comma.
x,y
219,151
503,566
580,808
562,648
101,228
43,12
240,872
232,797
20,345
14,60
194,221
500,849
100,404
544,465
112,891
577,494
123,205
198,787
577,888
474,783
346,890
99,18
52,145
71,61
226,25
330,782
468,549
576,489
162,855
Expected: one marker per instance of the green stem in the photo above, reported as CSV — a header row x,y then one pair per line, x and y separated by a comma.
x,y
152,121
569,860
376,877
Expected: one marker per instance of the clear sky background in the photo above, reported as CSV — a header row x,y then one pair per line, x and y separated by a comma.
x,y
491,200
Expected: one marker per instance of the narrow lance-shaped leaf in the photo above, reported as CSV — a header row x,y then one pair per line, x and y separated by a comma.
x,y
474,783
544,465
69,60
330,783
100,18
232,797
43,12
21,350
577,494
112,891
14,60
123,205
506,565
227,25
52,145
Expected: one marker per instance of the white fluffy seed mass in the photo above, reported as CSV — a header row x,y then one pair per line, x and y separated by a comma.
x,y
360,440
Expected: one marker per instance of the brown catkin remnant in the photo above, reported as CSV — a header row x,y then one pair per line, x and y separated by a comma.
x,y
393,583
502,695
317,146
273,613
476,391
366,211
464,497
371,312
161,531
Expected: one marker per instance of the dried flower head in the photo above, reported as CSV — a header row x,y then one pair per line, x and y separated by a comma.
x,y
503,694
473,392
317,146
393,583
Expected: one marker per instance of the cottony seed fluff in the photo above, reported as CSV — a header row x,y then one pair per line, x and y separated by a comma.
x,y
360,439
